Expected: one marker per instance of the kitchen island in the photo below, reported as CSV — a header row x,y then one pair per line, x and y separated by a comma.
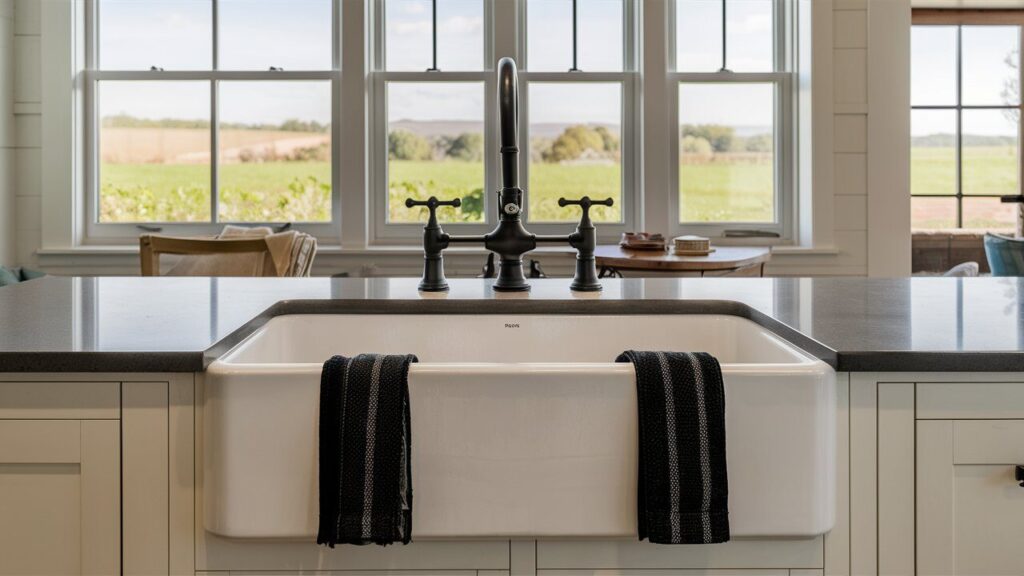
x,y
102,431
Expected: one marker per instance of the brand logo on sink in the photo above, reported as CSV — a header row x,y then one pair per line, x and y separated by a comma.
x,y
511,324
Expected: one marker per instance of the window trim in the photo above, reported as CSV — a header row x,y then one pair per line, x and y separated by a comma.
x,y
957,19
785,119
500,41
112,233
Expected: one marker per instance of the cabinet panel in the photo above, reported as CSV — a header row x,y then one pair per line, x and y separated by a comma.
x,y
59,400
671,573
59,511
753,554
970,508
970,400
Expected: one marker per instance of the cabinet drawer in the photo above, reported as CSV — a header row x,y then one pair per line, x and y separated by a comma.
x,y
974,400
990,442
60,400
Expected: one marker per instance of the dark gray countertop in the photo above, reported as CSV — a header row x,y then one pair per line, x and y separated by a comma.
x,y
123,324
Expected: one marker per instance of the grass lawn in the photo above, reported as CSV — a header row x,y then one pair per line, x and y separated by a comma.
x,y
986,170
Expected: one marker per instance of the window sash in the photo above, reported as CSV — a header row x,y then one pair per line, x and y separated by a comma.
x,y
500,42
959,19
784,80
96,232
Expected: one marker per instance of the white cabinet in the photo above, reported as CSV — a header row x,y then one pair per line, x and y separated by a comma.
x,y
59,481
970,510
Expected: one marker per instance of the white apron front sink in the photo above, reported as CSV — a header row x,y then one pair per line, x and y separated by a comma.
x,y
522,425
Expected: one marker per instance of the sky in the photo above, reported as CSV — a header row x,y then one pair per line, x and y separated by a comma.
x,y
296,35
985,73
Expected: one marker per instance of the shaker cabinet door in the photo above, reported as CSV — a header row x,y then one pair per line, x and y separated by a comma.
x,y
970,508
59,497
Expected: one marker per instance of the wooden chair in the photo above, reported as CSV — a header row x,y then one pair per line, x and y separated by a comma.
x,y
152,246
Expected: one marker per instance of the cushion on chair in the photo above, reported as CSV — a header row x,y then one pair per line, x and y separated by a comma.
x,y
17,275
1005,255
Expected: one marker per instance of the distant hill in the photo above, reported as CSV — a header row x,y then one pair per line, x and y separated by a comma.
x,y
432,129
946,140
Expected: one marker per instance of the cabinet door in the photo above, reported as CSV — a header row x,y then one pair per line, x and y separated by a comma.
x,y
59,490
970,510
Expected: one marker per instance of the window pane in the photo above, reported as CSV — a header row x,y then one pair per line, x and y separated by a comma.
x,y
169,34
932,213
749,25
575,149
549,35
275,152
599,44
933,152
409,35
436,148
990,152
991,56
460,35
749,32
933,65
288,34
599,38
154,156
990,214
727,153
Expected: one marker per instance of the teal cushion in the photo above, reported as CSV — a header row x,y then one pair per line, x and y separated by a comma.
x,y
8,276
27,274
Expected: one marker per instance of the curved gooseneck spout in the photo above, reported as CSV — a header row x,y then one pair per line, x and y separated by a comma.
x,y
508,113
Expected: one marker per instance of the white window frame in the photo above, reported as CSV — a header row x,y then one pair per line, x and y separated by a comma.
x,y
784,80
499,41
126,233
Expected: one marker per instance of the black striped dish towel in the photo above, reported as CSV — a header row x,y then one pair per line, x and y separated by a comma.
x,y
682,484
365,474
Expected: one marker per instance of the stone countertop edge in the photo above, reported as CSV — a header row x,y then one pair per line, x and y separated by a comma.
x,y
197,360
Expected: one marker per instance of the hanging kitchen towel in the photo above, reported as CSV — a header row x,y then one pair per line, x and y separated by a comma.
x,y
682,484
365,473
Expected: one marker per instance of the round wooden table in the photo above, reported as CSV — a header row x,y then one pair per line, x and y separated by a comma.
x,y
724,261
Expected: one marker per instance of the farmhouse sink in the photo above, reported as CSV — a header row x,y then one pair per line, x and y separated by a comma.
x,y
522,425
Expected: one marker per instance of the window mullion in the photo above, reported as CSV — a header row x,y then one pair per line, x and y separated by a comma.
x,y
215,118
959,130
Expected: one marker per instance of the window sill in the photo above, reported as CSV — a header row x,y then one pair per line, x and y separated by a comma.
x,y
805,251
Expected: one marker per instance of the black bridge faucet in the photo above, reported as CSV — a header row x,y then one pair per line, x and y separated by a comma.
x,y
510,239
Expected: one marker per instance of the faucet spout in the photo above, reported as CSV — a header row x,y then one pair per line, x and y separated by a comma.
x,y
508,112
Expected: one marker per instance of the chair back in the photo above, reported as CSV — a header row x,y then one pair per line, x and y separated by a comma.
x,y
1005,255
230,255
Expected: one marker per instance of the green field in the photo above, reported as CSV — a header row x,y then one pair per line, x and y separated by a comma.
x,y
987,170
299,191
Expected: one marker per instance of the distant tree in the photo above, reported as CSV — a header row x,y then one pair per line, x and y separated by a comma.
x,y
697,146
611,141
719,136
1011,86
758,143
295,125
405,145
467,146
571,143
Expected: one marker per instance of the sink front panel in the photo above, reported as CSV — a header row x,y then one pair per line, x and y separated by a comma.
x,y
514,449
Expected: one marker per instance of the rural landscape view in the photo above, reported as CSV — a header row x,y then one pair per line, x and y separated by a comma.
x,y
159,170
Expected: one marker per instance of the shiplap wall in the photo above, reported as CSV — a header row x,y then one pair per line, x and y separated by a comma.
x,y
7,137
850,73
27,153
